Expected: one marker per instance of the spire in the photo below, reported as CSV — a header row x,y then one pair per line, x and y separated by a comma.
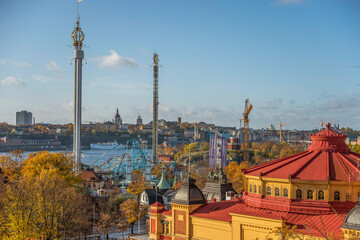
x,y
175,181
117,111
163,184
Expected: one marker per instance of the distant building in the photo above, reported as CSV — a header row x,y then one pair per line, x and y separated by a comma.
x,y
179,120
23,117
235,143
117,119
139,120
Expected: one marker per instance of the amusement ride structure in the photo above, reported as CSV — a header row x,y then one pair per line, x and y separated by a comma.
x,y
134,157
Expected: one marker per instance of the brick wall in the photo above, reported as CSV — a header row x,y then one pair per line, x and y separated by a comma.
x,y
180,222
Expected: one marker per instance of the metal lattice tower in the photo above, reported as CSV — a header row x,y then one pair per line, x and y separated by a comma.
x,y
78,37
246,129
155,107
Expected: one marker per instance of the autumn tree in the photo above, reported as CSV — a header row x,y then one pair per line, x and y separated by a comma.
x,y
204,146
158,168
58,163
10,164
42,201
200,175
133,211
105,223
138,183
234,174
285,232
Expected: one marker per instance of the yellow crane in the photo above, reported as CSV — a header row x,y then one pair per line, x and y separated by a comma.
x,y
246,113
322,124
280,132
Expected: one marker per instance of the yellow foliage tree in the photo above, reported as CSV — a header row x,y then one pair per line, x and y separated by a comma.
x,y
138,183
57,163
132,211
10,165
234,174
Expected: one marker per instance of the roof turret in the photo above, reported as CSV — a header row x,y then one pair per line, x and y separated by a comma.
x,y
328,140
163,184
188,194
352,220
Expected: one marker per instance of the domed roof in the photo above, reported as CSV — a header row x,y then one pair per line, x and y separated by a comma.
x,y
327,158
188,194
352,220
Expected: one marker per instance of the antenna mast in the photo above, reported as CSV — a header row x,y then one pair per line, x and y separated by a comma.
x,y
155,107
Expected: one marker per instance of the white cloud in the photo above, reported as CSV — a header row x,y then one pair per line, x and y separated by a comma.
x,y
68,105
115,60
288,2
14,63
12,81
40,78
52,66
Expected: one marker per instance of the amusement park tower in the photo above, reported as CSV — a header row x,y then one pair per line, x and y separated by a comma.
x,y
78,37
155,107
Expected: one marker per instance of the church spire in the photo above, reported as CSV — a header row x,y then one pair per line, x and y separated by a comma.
x,y
163,184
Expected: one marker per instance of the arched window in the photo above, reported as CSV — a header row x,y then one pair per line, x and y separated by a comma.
x,y
255,189
337,196
260,190
286,192
277,192
321,195
250,188
309,194
298,194
268,191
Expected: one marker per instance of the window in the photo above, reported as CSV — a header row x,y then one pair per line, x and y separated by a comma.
x,y
321,195
298,194
286,192
250,188
277,192
165,226
337,196
255,189
268,191
309,194
260,190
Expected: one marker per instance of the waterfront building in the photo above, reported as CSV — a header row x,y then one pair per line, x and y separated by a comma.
x,y
313,190
24,117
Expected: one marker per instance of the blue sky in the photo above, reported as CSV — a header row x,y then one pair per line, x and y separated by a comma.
x,y
297,60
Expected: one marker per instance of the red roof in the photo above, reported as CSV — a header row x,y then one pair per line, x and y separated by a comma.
x,y
314,224
90,176
157,204
328,156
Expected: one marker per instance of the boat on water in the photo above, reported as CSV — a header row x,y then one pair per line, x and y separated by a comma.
x,y
105,146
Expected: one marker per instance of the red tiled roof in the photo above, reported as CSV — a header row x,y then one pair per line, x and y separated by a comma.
x,y
314,225
157,204
328,156
169,212
89,176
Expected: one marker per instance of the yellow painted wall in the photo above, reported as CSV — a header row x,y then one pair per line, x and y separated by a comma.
x,y
203,228
252,228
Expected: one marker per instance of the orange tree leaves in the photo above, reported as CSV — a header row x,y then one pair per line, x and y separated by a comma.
x,y
234,174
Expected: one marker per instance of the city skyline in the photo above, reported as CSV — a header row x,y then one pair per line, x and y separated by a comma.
x,y
297,61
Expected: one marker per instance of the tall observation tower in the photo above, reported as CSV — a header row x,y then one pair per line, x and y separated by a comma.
x,y
155,107
78,37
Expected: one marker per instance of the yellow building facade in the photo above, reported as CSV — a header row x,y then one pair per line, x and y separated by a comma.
x,y
312,194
